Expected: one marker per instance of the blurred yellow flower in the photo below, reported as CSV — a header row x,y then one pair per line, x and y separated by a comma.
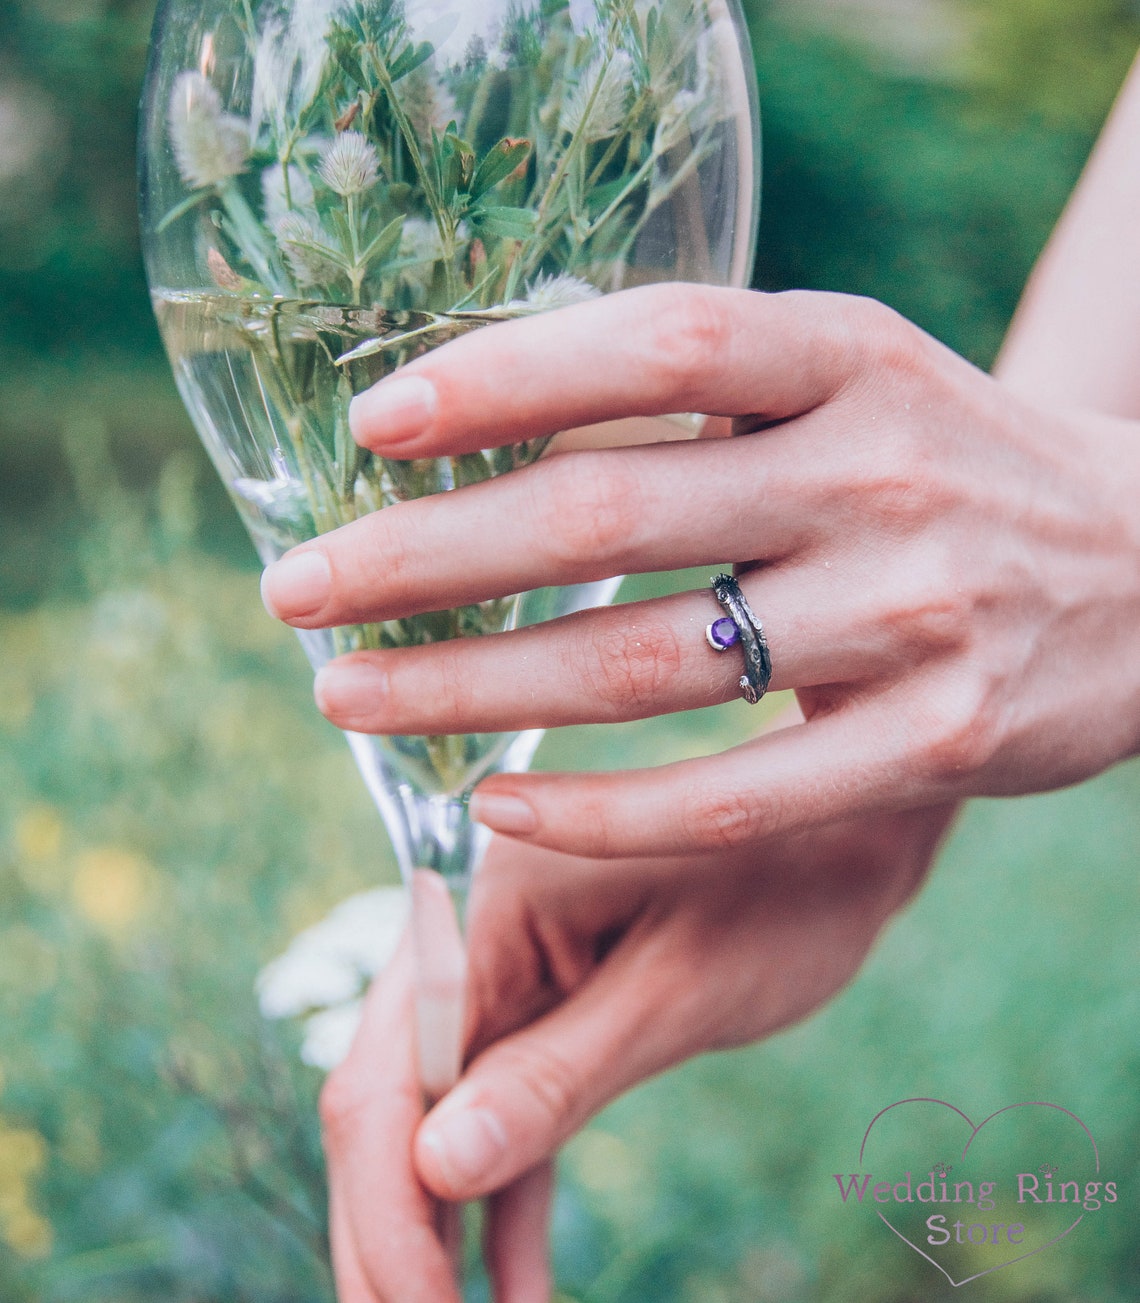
x,y
22,1153
113,887
39,833
22,1157
605,1164
28,1234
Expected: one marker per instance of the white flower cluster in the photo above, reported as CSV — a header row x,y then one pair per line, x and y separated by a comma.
x,y
289,65
324,972
306,251
549,293
273,196
210,146
597,105
420,241
349,164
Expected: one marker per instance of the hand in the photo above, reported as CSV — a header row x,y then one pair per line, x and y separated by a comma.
x,y
390,1238
586,978
947,575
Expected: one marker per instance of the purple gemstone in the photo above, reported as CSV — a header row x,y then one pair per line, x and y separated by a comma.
x,y
722,634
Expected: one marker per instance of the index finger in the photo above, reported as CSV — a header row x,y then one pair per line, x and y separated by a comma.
x,y
643,352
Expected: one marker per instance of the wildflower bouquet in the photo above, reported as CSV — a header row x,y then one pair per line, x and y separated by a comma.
x,y
333,187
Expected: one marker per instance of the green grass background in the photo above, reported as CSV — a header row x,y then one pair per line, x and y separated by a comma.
x,y
173,810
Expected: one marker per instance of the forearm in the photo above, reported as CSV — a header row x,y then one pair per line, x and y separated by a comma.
x,y
1075,340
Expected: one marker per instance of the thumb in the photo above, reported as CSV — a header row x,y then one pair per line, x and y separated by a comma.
x,y
524,1095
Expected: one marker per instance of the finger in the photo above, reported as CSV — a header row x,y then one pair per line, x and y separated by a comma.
x,y
609,664
441,977
864,756
571,519
645,352
370,1108
516,1240
352,1284
525,1094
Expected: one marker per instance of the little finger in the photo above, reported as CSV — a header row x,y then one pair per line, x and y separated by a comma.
x,y
860,757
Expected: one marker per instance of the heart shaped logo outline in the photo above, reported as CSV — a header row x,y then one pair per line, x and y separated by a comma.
x,y
955,1284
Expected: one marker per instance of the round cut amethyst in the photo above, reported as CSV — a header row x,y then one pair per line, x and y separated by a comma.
x,y
722,634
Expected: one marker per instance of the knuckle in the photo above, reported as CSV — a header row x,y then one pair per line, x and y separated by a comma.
x,y
933,619
586,504
340,1104
888,341
896,481
630,669
962,735
721,820
692,327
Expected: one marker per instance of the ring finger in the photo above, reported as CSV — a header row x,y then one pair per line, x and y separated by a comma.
x,y
603,665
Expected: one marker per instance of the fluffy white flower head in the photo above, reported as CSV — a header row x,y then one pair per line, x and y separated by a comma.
x,y
597,106
273,192
289,65
303,244
349,164
210,146
548,293
329,1035
420,241
329,964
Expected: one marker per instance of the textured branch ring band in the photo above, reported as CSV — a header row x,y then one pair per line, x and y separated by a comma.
x,y
739,624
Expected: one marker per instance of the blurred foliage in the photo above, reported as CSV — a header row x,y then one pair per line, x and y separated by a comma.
x,y
1055,61
172,809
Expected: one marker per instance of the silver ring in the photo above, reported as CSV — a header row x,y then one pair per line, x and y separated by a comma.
x,y
739,624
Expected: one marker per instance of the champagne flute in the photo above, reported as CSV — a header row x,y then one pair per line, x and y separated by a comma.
x,y
332,188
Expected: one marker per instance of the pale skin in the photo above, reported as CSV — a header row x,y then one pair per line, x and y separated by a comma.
x,y
948,568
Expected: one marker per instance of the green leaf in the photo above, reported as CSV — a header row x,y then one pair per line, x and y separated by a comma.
x,y
345,450
470,468
410,59
454,161
498,163
600,197
345,47
385,244
509,223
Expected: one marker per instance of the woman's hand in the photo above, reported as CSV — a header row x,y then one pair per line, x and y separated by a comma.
x,y
391,1241
586,978
949,577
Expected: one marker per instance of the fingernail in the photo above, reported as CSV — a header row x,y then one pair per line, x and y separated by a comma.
x,y
350,690
507,814
392,412
467,1145
297,585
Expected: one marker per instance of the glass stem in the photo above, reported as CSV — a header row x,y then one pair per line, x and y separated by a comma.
x,y
438,850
